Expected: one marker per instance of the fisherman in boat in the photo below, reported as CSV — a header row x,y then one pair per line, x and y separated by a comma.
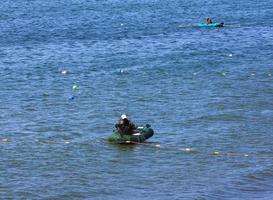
x,y
208,21
125,126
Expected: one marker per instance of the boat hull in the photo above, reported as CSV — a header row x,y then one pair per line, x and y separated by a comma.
x,y
211,25
141,135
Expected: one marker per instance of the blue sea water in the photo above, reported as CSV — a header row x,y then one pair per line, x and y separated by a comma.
x,y
207,93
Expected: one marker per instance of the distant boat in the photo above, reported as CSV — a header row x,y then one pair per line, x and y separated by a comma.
x,y
212,25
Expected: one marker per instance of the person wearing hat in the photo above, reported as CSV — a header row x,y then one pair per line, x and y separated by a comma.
x,y
208,20
125,126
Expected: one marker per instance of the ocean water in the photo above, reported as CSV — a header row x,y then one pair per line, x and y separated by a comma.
x,y
206,92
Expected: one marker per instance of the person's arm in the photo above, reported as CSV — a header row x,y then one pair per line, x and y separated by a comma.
x,y
132,126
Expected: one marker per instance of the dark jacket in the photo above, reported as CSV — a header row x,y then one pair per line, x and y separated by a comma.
x,y
125,127
209,21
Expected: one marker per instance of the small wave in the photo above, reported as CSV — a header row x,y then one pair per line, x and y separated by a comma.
x,y
52,142
6,140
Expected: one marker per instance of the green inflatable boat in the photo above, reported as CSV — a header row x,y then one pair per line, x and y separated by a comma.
x,y
212,25
142,133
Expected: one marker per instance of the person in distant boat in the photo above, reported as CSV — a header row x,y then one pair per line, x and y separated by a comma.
x,y
125,126
208,21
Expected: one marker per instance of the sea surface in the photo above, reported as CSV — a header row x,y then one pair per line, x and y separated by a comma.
x,y
206,92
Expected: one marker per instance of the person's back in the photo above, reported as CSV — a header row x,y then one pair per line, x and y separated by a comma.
x,y
209,21
129,127
124,126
